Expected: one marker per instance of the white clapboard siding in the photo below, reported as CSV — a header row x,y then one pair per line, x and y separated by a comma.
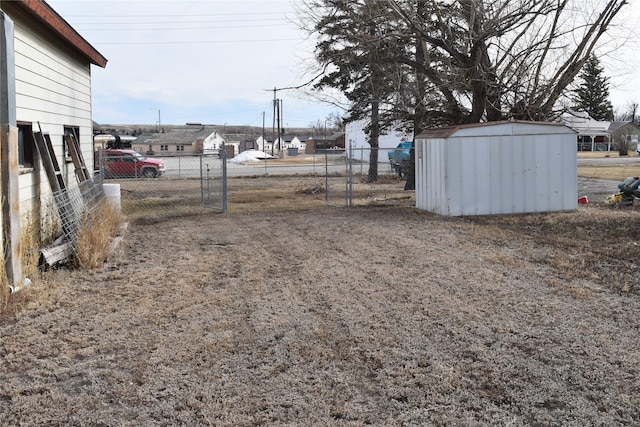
x,y
53,88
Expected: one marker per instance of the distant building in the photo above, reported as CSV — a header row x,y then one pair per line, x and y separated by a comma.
x,y
358,141
179,140
335,141
283,143
595,135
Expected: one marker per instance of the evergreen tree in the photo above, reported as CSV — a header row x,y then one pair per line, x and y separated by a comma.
x,y
592,95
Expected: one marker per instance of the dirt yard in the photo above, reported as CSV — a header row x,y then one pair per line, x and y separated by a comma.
x,y
289,312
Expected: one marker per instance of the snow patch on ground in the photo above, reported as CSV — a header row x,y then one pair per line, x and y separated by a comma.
x,y
251,156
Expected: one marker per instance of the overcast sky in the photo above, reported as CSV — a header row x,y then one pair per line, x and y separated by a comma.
x,y
207,61
217,61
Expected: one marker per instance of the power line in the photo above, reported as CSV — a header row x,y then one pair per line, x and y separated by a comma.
x,y
193,42
126,28
227,21
172,15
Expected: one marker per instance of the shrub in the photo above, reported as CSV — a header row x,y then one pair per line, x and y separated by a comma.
x,y
96,232
623,146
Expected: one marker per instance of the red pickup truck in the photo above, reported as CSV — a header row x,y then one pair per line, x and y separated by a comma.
x,y
119,163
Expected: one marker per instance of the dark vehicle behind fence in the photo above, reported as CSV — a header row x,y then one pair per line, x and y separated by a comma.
x,y
119,163
400,157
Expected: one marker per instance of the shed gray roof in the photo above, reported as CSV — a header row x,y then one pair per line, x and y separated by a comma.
x,y
447,131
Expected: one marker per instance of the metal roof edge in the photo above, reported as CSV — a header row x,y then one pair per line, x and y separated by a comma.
x,y
447,131
56,23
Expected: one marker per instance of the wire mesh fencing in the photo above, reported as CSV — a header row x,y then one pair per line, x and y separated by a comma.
x,y
169,185
374,176
73,203
67,211
178,184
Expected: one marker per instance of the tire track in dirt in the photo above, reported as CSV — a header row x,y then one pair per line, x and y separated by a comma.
x,y
367,315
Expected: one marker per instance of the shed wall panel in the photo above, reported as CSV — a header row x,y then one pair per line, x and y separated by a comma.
x,y
503,169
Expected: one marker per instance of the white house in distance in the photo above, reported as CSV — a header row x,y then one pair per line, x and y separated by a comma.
x,y
283,143
356,138
596,135
213,142
45,86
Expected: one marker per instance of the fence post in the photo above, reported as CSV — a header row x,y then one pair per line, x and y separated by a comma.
x,y
350,177
100,166
201,178
326,177
224,179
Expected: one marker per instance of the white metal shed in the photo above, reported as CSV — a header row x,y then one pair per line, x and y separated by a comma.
x,y
497,168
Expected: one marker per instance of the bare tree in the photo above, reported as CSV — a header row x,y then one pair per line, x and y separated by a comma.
x,y
426,63
484,59
500,59
350,50
629,114
335,121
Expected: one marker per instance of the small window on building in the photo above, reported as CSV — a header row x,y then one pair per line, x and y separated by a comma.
x,y
164,147
179,147
26,145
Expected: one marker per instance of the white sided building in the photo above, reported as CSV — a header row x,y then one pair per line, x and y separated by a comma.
x,y
45,86
356,138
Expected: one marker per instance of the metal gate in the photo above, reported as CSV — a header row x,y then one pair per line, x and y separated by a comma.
x,y
181,184
371,176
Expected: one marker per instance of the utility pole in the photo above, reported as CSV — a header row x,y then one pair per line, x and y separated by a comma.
x,y
279,127
277,106
159,127
273,125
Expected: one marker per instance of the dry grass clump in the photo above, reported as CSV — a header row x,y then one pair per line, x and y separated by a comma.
x,y
587,243
32,235
316,187
31,239
95,235
4,289
386,179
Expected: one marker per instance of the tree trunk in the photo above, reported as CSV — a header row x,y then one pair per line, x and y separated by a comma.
x,y
420,113
374,133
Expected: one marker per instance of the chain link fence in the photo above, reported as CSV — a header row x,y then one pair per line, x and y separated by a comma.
x,y
168,185
144,185
336,176
373,176
179,184
171,186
